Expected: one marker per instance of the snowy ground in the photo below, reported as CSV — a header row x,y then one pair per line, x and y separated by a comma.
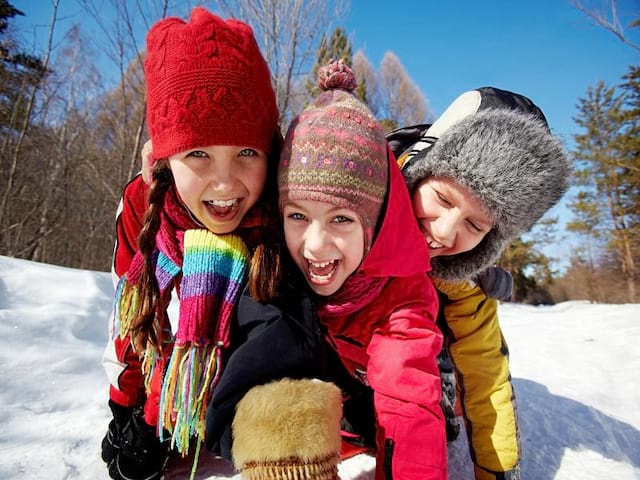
x,y
575,367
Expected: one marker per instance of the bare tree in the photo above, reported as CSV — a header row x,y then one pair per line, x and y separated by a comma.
x,y
289,32
607,17
367,89
401,100
14,155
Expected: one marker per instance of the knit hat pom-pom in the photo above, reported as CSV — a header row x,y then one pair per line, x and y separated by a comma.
x,y
336,75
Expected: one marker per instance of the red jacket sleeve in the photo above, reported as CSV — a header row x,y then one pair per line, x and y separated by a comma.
x,y
129,219
403,373
120,361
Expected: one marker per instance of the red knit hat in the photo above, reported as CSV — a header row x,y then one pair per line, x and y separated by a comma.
x,y
207,84
336,152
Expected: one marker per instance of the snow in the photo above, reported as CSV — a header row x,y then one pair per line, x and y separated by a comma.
x,y
575,368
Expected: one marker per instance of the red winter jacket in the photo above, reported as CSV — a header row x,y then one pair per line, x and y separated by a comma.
x,y
393,343
120,361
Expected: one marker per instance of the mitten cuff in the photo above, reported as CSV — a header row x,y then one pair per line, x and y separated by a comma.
x,y
324,468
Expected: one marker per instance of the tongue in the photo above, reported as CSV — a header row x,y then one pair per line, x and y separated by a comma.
x,y
322,271
221,210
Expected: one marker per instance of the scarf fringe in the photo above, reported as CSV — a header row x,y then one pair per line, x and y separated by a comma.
x,y
127,302
192,374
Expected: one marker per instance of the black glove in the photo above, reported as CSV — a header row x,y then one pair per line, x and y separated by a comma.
x,y
448,402
142,455
496,283
113,438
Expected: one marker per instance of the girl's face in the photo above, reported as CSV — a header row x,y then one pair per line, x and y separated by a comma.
x,y
220,183
325,241
450,216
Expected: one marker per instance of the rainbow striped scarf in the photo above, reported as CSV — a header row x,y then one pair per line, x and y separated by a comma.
x,y
209,271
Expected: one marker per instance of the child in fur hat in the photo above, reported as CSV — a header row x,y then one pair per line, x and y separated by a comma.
x,y
479,177
212,117
355,308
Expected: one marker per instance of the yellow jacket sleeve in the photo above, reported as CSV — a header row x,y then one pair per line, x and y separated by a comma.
x,y
480,357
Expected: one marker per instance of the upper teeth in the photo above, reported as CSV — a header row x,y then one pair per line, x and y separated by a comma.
x,y
222,203
321,264
432,243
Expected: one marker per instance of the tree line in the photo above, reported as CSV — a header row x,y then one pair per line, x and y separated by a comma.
x,y
71,139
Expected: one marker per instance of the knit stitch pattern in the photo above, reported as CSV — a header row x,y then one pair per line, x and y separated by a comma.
x,y
335,152
211,275
207,84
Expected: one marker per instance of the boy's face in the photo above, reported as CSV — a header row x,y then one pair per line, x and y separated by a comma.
x,y
451,218
220,183
325,241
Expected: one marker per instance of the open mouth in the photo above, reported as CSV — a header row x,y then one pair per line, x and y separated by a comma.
x,y
433,244
222,208
321,273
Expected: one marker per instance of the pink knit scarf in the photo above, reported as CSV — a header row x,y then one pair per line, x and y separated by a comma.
x,y
359,290
208,271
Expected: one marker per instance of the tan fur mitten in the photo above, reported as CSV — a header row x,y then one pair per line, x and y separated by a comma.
x,y
288,429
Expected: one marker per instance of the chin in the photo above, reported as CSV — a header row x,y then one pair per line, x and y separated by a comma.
x,y
323,290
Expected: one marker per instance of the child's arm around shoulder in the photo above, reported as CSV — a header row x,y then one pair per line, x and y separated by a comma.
x,y
276,340
403,373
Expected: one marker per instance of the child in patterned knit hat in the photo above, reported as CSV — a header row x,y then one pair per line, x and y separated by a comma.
x,y
358,309
210,207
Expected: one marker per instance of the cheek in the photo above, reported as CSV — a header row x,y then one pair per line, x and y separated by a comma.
x,y
292,238
354,247
185,181
255,178
424,205
416,203
472,241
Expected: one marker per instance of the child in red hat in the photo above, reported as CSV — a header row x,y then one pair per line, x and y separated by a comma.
x,y
212,118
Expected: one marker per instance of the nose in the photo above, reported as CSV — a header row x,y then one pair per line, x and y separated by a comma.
x,y
444,228
221,174
316,239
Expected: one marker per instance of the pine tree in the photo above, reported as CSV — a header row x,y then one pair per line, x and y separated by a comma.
x,y
531,271
587,223
337,47
605,171
18,73
20,77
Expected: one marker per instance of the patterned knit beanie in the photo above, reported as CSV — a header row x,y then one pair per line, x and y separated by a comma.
x,y
336,152
498,145
207,84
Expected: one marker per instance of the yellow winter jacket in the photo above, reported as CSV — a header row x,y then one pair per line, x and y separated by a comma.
x,y
485,393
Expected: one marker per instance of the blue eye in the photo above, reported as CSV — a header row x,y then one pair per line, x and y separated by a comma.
x,y
198,154
248,152
296,216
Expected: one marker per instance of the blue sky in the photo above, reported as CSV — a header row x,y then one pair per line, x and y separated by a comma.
x,y
544,49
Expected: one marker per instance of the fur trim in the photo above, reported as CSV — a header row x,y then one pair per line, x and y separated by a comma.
x,y
510,161
288,429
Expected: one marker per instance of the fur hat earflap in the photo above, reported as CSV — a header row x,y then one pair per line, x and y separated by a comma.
x,y
288,429
498,145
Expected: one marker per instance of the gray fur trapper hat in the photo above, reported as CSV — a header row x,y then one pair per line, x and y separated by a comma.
x,y
498,145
